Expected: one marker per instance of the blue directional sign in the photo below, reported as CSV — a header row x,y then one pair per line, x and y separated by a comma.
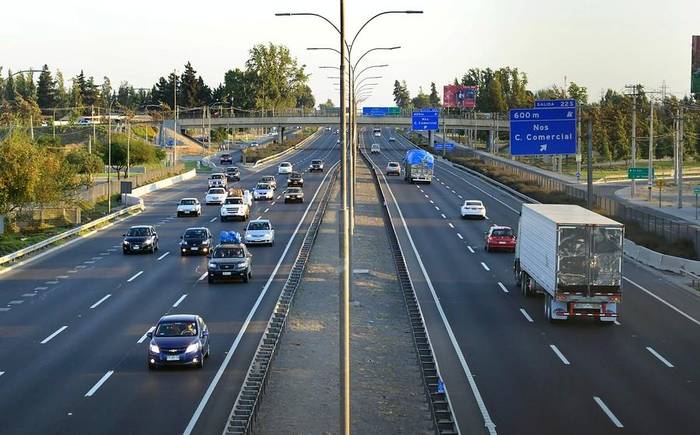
x,y
425,119
438,146
543,131
381,111
555,103
170,142
447,146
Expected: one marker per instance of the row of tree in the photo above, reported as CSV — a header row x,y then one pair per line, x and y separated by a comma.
x,y
507,88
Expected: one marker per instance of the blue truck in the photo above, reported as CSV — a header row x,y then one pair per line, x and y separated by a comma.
x,y
418,166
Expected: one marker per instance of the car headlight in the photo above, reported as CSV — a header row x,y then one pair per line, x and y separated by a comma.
x,y
205,242
154,348
125,243
194,347
184,243
242,265
212,265
147,242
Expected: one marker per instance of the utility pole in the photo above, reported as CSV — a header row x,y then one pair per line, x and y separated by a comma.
x,y
634,134
589,175
679,140
175,123
444,135
651,149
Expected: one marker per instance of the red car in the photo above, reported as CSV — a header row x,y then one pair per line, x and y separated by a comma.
x,y
500,238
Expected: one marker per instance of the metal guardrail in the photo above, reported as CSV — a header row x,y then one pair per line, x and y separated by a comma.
x,y
439,402
287,151
245,410
51,240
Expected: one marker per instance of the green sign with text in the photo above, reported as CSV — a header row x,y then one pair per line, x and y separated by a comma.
x,y
639,173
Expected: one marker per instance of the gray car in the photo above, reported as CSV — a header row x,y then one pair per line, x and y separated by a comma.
x,y
229,261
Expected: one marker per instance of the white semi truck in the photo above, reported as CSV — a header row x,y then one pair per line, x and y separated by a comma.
x,y
573,256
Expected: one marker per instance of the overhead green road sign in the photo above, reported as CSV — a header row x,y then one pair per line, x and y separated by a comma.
x,y
639,173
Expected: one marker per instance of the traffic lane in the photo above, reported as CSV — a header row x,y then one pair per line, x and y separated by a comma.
x,y
476,307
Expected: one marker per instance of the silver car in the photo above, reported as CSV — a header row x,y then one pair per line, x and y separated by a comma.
x,y
259,232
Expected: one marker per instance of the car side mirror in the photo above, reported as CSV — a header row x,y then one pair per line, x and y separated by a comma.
x,y
149,334
123,235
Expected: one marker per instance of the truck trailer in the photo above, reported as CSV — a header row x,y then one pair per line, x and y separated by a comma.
x,y
573,256
418,166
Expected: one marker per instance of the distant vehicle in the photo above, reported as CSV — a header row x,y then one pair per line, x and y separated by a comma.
x,y
140,238
393,168
572,255
392,139
295,179
473,208
377,132
216,195
189,207
500,238
233,174
235,206
226,159
217,180
294,194
284,168
374,148
316,165
178,339
271,180
254,144
418,166
337,131
263,191
259,232
337,141
195,241
230,260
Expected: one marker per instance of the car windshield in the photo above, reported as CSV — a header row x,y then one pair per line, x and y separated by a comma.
x,y
258,226
285,165
473,204
393,164
138,232
295,175
234,201
502,232
268,178
188,202
231,170
195,234
262,186
176,329
294,190
228,253
217,176
315,162
216,191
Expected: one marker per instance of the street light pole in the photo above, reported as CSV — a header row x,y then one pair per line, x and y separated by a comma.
x,y
109,158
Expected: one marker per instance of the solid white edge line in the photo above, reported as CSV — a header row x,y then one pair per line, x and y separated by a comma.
x,y
485,266
179,301
470,249
163,256
503,287
219,373
100,301
526,315
559,354
671,306
607,411
488,422
659,357
99,383
50,337
135,276
145,335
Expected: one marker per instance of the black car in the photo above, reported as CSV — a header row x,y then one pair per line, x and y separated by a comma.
x,y
195,241
140,238
179,339
316,165
233,174
229,261
225,159
295,179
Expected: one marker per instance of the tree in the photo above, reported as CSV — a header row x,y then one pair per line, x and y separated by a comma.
x,y
105,95
496,98
45,89
90,92
434,97
238,89
61,95
327,105
578,93
188,95
10,87
139,152
422,100
402,97
305,98
277,77
84,162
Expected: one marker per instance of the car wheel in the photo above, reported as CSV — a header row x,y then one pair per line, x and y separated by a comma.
x,y
179,214
206,355
221,218
151,366
200,364
486,248
246,277
210,280
156,248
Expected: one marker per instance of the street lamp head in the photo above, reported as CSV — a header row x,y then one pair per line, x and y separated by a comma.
x,y
412,12
283,14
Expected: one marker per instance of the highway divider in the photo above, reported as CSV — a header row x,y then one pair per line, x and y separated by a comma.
x,y
289,150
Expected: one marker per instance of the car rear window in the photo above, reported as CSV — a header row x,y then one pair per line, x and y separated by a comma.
x,y
176,329
473,203
195,234
502,232
216,190
262,186
138,232
188,202
315,162
234,201
258,226
217,176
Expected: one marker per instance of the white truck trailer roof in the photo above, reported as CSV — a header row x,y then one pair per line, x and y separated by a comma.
x,y
564,214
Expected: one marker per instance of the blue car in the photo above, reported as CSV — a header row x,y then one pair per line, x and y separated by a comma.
x,y
177,340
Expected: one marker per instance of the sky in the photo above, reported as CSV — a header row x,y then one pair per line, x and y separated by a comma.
x,y
599,44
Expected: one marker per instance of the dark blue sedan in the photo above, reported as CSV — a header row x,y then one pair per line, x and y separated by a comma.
x,y
180,339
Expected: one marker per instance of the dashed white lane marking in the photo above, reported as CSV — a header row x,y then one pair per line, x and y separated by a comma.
x,y
182,298
659,357
443,215
617,323
212,219
100,301
437,208
62,277
50,337
454,192
204,275
16,302
71,271
4,309
51,282
431,201
671,306
135,276
450,224
112,250
505,290
145,335
104,254
487,218
80,266
2,373
259,217
460,196
96,258
89,262
272,203
559,354
526,315
28,295
485,266
99,383
163,256
426,196
607,411
41,288
447,186
460,236
266,210
470,249
279,196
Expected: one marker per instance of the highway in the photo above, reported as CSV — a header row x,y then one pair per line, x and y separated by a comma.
x,y
72,332
640,376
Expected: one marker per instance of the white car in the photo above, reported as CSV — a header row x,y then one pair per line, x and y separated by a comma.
x,y
269,179
374,149
217,180
473,208
392,139
260,232
263,191
393,168
216,195
235,207
284,168
189,207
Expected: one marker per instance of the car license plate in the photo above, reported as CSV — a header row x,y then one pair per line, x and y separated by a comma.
x,y
586,306
194,248
501,243
172,358
226,273
136,246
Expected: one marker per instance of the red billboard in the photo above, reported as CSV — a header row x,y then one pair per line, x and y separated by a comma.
x,y
695,67
459,96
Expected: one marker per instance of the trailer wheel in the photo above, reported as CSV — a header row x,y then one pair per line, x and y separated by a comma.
x,y
548,308
523,283
517,274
